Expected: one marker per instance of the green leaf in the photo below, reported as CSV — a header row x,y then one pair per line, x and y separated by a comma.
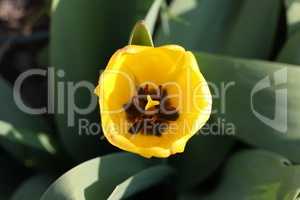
x,y
11,175
140,35
97,178
244,28
254,175
23,135
43,57
40,141
245,97
83,37
141,182
290,52
202,156
11,113
164,17
189,196
33,188
152,15
293,16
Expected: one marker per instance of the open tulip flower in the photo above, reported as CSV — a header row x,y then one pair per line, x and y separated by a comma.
x,y
152,99
191,93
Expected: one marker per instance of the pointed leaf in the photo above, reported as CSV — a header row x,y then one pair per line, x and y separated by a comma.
x,y
152,15
258,175
23,135
290,52
202,156
11,174
11,113
97,178
40,141
293,16
140,35
225,27
33,188
141,181
265,114
83,37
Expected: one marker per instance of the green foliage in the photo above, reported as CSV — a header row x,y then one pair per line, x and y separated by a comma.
x,y
11,175
81,39
25,136
97,178
141,181
244,28
245,74
140,35
204,153
258,175
84,34
152,15
292,15
33,188
40,141
290,53
255,175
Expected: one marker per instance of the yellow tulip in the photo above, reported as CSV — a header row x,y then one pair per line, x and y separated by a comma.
x,y
152,99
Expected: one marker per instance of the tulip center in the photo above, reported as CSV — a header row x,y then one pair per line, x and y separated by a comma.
x,y
150,111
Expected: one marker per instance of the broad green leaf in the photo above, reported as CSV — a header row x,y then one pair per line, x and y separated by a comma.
x,y
258,175
23,135
293,15
43,57
202,156
141,181
97,178
83,37
11,175
11,113
244,28
190,196
263,113
140,35
33,188
290,52
40,141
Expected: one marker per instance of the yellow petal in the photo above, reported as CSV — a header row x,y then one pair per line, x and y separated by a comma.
x,y
170,66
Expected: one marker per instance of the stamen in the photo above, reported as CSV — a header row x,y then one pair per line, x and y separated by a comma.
x,y
140,113
136,127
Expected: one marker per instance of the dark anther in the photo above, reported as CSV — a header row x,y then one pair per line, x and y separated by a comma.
x,y
136,127
153,121
169,113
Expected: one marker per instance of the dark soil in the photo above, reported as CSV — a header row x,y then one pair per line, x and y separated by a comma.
x,y
24,26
